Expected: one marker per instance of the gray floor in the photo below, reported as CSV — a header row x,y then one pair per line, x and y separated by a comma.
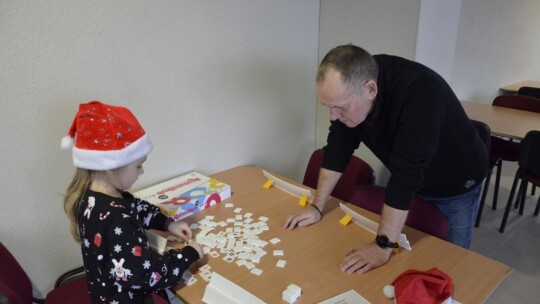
x,y
518,247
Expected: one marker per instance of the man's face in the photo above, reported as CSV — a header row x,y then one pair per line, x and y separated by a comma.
x,y
350,108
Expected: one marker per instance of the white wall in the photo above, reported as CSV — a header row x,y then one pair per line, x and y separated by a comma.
x,y
216,84
479,46
378,26
497,44
437,34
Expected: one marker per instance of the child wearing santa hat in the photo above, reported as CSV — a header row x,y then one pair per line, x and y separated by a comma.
x,y
109,147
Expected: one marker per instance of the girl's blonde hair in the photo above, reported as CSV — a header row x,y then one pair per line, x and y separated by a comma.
x,y
72,200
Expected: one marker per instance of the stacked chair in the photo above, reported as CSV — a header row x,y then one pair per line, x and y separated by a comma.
x,y
528,171
529,91
504,149
532,92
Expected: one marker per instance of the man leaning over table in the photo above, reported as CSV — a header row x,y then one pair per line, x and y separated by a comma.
x,y
410,118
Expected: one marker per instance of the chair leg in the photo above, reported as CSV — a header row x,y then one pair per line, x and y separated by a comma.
x,y
497,182
509,204
524,185
518,195
533,190
537,207
483,198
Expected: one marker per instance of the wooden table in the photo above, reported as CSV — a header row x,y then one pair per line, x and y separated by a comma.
x,y
513,88
503,121
313,253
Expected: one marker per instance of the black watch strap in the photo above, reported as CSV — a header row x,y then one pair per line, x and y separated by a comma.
x,y
383,242
317,208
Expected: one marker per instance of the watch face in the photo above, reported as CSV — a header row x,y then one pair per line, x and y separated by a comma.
x,y
382,241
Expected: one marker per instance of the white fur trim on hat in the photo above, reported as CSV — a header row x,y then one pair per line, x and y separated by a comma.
x,y
113,159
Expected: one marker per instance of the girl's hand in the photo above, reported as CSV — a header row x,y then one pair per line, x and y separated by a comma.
x,y
181,229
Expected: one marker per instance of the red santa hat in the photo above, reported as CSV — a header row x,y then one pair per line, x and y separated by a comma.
x,y
104,137
420,287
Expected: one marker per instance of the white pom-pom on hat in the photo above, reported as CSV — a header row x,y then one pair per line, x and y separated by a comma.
x,y
67,143
389,291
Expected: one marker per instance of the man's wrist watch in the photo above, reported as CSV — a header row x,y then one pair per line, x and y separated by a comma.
x,y
383,242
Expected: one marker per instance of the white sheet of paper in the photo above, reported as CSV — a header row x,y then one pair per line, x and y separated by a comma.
x,y
349,297
372,226
222,291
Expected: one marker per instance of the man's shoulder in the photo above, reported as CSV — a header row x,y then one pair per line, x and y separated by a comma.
x,y
392,61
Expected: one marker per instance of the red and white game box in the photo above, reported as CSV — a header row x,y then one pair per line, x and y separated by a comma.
x,y
185,195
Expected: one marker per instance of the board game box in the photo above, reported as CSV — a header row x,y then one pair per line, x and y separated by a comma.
x,y
185,195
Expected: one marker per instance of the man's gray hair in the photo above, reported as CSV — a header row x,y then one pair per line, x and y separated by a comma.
x,y
355,64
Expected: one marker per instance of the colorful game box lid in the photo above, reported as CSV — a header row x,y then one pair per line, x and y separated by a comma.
x,y
185,195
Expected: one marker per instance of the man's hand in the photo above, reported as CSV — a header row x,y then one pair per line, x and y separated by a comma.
x,y
364,258
303,218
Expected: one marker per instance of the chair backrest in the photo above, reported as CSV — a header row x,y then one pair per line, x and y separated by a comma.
x,y
529,91
14,282
15,285
422,215
529,160
484,131
358,172
519,102
71,291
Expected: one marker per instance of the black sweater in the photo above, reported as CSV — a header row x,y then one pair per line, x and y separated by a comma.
x,y
420,132
120,265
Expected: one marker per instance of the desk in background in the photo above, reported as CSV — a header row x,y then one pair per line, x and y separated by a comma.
x,y
513,88
313,253
503,121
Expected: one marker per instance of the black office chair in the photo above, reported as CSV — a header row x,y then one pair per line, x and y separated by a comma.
x,y
529,91
528,171
358,172
506,149
485,134
422,215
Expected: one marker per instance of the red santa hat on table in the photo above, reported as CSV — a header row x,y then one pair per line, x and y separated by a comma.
x,y
420,287
104,137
